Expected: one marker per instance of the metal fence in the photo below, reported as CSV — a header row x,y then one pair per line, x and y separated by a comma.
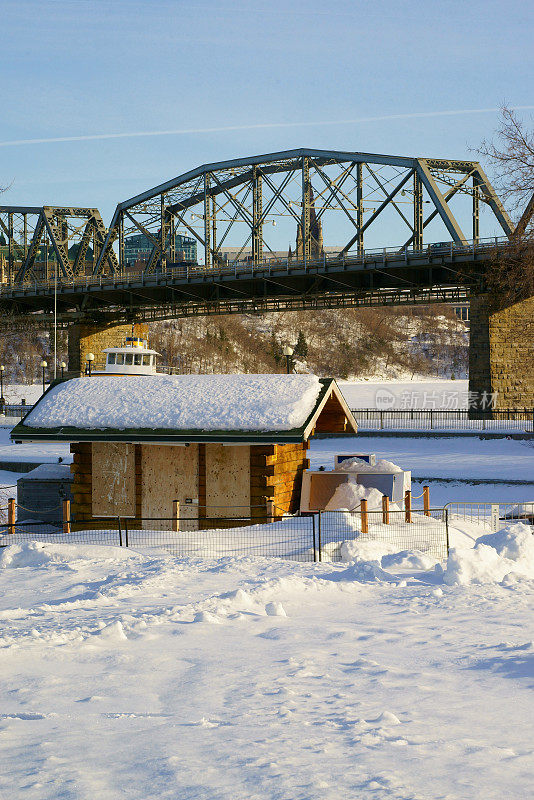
x,y
327,535
492,516
510,420
15,410
426,532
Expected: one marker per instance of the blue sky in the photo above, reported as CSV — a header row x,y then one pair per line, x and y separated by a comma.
x,y
73,68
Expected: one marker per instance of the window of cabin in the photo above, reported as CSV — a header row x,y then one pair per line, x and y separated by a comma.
x,y
111,358
147,360
128,359
137,360
120,358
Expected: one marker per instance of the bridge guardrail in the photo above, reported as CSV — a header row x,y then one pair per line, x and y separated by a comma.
x,y
233,268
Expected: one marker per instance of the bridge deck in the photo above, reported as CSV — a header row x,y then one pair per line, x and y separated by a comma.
x,y
391,276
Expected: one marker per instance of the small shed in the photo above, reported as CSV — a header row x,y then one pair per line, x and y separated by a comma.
x,y
40,493
220,445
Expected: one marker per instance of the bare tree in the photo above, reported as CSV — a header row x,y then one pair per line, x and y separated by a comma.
x,y
511,154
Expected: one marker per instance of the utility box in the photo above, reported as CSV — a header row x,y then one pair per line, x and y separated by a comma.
x,y
370,458
319,486
40,493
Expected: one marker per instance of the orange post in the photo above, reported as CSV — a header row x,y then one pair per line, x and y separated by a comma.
x,y
11,515
385,509
408,505
426,500
175,516
365,518
66,516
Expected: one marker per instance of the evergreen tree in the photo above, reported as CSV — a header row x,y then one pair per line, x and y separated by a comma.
x,y
301,347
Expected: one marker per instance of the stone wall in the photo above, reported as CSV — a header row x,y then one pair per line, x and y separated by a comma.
x,y
84,339
501,352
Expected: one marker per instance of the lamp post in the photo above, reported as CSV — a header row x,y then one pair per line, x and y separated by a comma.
x,y
90,357
288,352
63,367
2,399
43,367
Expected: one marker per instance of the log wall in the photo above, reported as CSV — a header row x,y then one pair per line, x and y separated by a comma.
x,y
82,484
276,476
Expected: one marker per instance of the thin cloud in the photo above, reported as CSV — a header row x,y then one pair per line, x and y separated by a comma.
x,y
259,126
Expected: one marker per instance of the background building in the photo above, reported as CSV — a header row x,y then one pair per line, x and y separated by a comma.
x,y
138,249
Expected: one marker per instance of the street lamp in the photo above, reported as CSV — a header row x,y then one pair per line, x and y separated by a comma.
x,y
90,357
43,367
288,352
2,399
63,367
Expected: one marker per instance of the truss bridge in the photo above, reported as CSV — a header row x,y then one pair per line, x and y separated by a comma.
x,y
63,264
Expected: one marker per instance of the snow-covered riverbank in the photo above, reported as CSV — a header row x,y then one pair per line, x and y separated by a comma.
x,y
140,675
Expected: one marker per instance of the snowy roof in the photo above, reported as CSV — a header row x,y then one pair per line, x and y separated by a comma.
x,y
49,472
143,351
179,405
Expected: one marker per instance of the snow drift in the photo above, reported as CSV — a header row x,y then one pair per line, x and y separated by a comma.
x,y
507,554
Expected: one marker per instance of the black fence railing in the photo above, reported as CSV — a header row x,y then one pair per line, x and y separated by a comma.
x,y
506,420
14,410
326,535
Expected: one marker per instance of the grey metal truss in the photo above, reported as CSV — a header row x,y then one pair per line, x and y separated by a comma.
x,y
40,232
228,195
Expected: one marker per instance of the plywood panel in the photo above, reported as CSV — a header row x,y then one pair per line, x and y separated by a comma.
x,y
113,479
169,473
227,480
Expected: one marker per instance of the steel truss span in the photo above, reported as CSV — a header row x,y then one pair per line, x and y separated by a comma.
x,y
56,241
242,200
64,259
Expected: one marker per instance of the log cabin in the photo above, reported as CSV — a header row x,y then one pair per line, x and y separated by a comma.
x,y
218,445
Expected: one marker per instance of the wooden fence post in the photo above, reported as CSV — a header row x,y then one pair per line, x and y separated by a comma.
x,y
385,509
426,500
408,505
11,514
270,510
365,518
175,516
66,516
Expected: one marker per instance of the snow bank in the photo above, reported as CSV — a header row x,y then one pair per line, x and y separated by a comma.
x,y
385,554
359,465
180,402
37,554
348,495
496,556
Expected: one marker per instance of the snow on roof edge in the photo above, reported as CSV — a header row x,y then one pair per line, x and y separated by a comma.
x,y
223,403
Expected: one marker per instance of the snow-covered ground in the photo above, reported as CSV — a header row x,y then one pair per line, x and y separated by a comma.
x,y
16,392
444,457
141,676
419,393
38,453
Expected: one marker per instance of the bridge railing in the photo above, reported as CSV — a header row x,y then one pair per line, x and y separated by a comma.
x,y
185,271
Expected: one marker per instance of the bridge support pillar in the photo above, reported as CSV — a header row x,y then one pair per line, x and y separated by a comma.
x,y
501,352
93,338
